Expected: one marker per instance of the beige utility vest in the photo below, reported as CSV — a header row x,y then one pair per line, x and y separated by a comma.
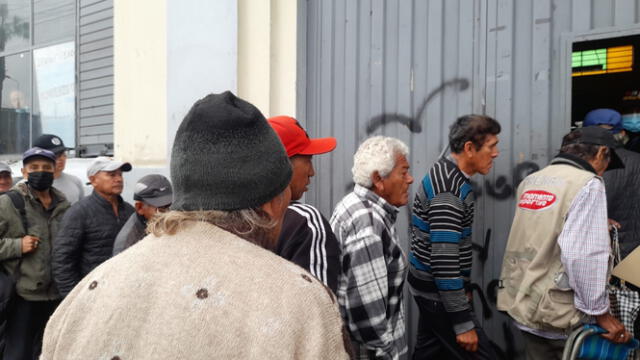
x,y
534,287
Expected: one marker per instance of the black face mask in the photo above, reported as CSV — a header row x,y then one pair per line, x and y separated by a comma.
x,y
40,180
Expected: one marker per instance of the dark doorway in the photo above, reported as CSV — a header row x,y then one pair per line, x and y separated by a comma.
x,y
602,72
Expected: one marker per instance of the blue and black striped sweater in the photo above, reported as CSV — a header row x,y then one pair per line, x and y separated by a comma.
x,y
441,251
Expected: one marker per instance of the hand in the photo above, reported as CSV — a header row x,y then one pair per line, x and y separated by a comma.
x,y
468,340
613,223
616,331
29,244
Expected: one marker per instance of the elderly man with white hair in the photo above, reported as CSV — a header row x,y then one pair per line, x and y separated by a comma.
x,y
373,263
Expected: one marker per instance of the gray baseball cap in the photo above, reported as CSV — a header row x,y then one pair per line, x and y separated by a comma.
x,y
154,190
103,163
4,167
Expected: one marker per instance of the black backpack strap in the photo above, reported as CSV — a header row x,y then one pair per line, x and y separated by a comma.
x,y
18,203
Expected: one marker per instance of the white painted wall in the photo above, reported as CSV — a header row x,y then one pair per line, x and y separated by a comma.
x,y
140,65
202,55
168,54
267,50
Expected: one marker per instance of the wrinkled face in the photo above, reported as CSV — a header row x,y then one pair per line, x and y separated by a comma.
x,y
5,181
481,160
37,165
302,173
107,182
394,188
61,162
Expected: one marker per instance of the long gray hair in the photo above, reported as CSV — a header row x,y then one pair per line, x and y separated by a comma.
x,y
253,225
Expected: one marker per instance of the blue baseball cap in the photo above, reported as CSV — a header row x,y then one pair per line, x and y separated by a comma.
x,y
607,117
38,152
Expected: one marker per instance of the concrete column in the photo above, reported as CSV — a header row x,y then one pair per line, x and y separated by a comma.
x,y
267,53
168,54
140,81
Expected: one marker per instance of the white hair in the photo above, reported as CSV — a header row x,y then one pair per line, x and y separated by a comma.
x,y
377,153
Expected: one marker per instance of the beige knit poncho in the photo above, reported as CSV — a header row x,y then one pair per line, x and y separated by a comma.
x,y
200,294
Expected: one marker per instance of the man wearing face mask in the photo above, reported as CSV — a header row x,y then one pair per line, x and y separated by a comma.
x,y
631,120
25,252
69,184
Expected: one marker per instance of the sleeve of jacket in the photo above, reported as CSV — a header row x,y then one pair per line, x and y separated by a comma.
x,y
65,261
308,241
10,247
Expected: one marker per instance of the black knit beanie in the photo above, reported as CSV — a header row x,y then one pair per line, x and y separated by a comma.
x,y
226,157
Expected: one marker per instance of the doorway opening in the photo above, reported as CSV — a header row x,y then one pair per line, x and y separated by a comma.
x,y
605,73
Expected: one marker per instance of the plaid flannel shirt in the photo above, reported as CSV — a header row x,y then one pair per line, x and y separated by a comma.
x,y
373,274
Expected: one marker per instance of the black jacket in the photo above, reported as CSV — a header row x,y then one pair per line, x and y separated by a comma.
x,y
308,241
623,199
86,239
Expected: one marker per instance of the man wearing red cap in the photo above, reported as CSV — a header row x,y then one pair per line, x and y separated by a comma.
x,y
306,238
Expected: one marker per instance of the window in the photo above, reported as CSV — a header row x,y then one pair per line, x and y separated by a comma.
x,y
602,61
37,68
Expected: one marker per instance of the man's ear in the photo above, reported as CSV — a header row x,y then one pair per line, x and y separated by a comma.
x,y
376,181
274,206
139,205
468,148
24,173
92,178
603,151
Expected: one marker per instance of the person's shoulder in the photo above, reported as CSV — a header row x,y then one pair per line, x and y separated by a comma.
x,y
5,203
306,212
293,283
130,208
348,204
81,206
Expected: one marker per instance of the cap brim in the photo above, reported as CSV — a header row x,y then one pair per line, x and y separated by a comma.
x,y
44,157
319,146
160,201
615,162
58,149
115,165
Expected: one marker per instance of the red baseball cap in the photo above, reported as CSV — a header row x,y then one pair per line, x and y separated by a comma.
x,y
295,138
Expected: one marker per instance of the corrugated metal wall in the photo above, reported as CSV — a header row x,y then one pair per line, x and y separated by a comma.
x,y
408,68
95,77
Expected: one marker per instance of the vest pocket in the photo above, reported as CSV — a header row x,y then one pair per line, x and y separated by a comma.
x,y
513,271
556,309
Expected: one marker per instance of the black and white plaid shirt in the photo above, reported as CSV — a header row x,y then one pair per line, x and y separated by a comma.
x,y
373,274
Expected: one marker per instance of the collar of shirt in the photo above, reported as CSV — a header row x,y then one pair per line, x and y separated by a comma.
x,y
381,205
142,219
29,192
455,162
104,202
570,159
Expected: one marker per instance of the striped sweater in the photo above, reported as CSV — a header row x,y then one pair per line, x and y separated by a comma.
x,y
441,252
